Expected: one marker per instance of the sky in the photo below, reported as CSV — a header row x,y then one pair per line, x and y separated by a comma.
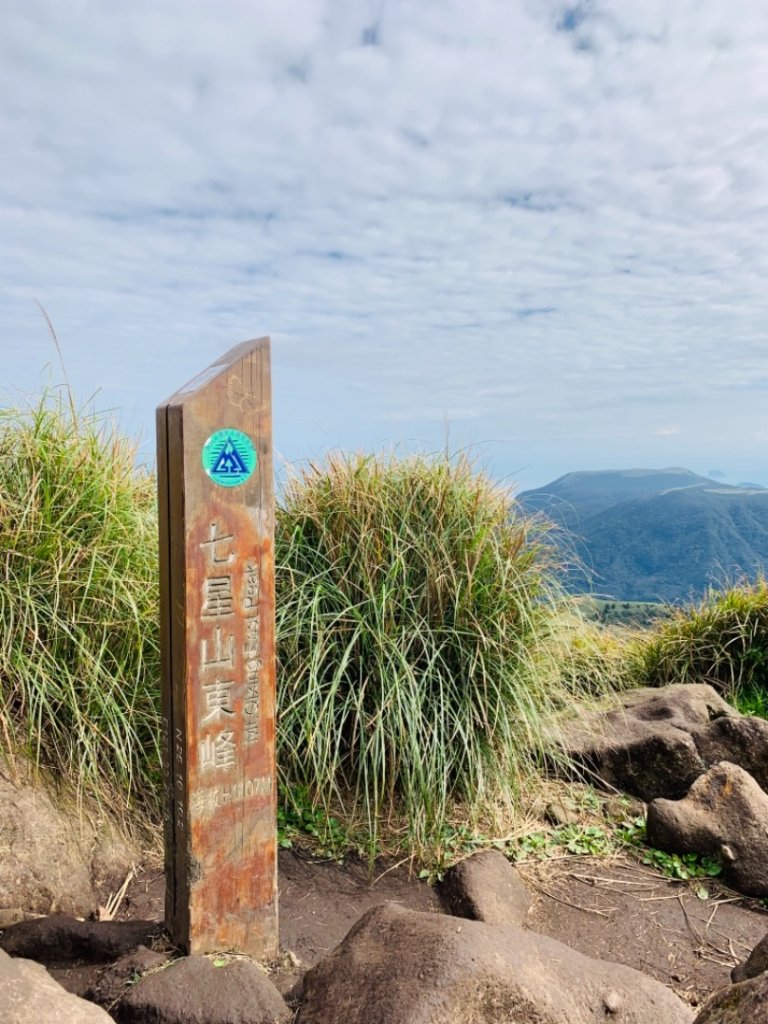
x,y
535,229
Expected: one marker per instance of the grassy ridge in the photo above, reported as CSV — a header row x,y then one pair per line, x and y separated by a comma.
x,y
722,640
414,629
631,614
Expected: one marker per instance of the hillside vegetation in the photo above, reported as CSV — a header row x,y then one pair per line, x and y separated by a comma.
x,y
722,640
646,535
622,613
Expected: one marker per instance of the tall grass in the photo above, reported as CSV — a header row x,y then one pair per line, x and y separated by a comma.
x,y
421,646
79,665
415,612
723,640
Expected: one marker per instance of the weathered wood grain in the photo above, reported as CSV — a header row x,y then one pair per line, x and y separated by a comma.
x,y
218,657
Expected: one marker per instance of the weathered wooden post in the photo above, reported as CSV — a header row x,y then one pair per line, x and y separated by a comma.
x,y
216,503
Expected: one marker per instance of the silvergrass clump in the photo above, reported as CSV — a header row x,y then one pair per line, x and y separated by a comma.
x,y
79,663
415,614
723,640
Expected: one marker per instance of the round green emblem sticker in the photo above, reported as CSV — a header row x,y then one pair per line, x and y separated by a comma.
x,y
229,457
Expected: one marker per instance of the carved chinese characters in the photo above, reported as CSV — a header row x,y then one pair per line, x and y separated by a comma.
x,y
216,502
230,611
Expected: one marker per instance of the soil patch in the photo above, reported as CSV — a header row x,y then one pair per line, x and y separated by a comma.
x,y
610,908
320,901
617,909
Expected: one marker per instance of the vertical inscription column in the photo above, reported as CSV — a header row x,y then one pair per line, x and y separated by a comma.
x,y
217,615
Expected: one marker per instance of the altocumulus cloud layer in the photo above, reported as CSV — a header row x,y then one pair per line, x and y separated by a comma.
x,y
544,225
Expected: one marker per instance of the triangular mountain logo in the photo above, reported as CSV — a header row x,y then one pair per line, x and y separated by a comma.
x,y
229,461
229,457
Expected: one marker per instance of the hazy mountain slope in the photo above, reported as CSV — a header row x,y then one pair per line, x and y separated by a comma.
x,y
572,499
674,545
650,535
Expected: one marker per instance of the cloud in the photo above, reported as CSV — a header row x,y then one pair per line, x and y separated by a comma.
x,y
669,431
426,205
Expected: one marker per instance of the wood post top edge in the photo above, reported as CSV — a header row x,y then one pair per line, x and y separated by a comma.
x,y
214,370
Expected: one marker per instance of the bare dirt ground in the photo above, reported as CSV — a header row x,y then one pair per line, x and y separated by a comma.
x,y
617,909
610,908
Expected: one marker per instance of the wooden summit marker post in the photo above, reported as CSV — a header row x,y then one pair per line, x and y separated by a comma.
x,y
216,503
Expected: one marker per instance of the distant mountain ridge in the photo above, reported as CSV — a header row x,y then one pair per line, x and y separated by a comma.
x,y
655,535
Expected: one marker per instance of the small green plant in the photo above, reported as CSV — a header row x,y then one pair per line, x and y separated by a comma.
x,y
453,843
577,839
458,841
298,820
632,831
585,799
752,700
536,845
684,866
674,865
588,840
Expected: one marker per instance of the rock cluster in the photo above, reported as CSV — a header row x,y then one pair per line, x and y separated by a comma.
x,y
657,742
191,990
395,967
701,766
704,771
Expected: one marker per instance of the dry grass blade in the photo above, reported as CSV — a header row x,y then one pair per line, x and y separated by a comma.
x,y
55,337
108,912
575,906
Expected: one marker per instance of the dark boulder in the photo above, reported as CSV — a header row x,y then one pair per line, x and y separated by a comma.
x,y
60,938
658,741
739,739
195,990
755,964
401,967
678,705
724,814
485,887
745,1003
644,745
